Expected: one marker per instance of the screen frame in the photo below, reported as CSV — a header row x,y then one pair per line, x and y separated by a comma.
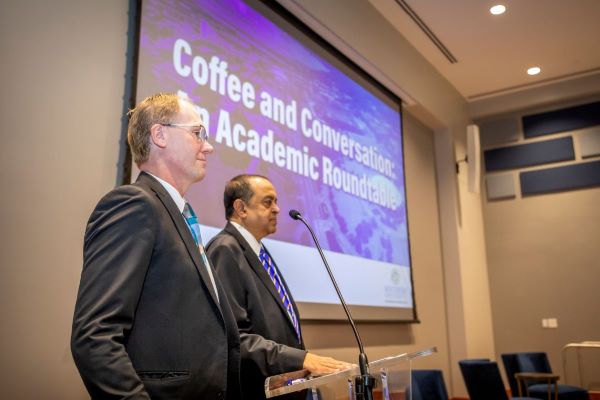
x,y
308,311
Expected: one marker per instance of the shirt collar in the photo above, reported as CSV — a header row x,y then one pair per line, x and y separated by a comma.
x,y
175,195
255,245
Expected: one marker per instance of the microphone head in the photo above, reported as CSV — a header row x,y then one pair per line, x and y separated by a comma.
x,y
295,214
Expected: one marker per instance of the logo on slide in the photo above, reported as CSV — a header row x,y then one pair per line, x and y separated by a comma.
x,y
395,276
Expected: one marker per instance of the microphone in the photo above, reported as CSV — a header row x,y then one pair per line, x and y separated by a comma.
x,y
295,214
365,382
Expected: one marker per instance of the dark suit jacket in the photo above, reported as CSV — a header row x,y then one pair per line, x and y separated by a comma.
x,y
147,323
255,303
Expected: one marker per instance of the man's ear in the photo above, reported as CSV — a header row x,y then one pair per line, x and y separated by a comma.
x,y
157,135
240,207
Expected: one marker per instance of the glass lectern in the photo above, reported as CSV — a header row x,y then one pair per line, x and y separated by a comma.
x,y
392,375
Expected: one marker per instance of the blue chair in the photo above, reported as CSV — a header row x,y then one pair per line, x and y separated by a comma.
x,y
538,362
483,381
428,384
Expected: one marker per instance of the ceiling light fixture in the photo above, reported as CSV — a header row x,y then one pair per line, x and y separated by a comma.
x,y
498,9
534,70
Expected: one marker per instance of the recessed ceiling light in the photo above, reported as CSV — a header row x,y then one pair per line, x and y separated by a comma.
x,y
534,70
498,9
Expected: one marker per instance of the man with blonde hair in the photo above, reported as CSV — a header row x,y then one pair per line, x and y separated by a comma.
x,y
152,319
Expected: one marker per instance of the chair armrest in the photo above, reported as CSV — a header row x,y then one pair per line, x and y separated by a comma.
x,y
537,376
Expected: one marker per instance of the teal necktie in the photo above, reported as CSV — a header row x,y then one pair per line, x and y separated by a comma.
x,y
269,266
192,223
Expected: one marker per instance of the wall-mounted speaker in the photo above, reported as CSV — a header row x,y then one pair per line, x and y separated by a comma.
x,y
473,158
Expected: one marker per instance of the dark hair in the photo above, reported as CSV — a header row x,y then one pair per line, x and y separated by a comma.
x,y
238,188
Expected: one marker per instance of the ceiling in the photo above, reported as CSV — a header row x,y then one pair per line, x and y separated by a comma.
x,y
492,53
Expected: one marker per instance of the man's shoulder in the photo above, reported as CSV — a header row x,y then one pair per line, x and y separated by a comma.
x,y
123,208
223,238
227,255
126,201
130,192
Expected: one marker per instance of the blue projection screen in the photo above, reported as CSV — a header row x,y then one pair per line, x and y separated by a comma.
x,y
279,102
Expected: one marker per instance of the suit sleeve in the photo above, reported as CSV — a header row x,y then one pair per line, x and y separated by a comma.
x,y
270,358
118,246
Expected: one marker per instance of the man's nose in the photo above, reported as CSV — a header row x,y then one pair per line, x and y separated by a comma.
x,y
207,147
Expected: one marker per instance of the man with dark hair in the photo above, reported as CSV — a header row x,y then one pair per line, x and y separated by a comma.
x,y
260,299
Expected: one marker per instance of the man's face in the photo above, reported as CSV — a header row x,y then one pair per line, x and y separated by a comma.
x,y
261,211
187,154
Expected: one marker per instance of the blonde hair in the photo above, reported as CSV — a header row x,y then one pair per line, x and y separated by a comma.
x,y
159,108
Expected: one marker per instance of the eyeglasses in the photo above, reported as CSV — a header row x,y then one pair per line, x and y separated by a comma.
x,y
197,130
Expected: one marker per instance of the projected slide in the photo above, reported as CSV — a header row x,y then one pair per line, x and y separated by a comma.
x,y
277,104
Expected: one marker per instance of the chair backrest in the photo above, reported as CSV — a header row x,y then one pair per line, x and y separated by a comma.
x,y
475,360
524,362
428,384
511,367
533,362
482,379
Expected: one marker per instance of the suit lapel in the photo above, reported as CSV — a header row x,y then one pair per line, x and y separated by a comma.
x,y
182,228
260,271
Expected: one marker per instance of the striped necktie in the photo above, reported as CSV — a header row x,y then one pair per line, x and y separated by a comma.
x,y
192,223
267,262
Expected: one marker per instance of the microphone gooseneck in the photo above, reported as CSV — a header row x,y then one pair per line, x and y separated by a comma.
x,y
297,216
365,382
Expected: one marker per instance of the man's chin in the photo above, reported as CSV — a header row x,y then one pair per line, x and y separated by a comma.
x,y
199,176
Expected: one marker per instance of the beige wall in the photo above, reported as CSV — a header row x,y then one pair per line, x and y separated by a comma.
x,y
544,262
63,67
544,252
63,75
